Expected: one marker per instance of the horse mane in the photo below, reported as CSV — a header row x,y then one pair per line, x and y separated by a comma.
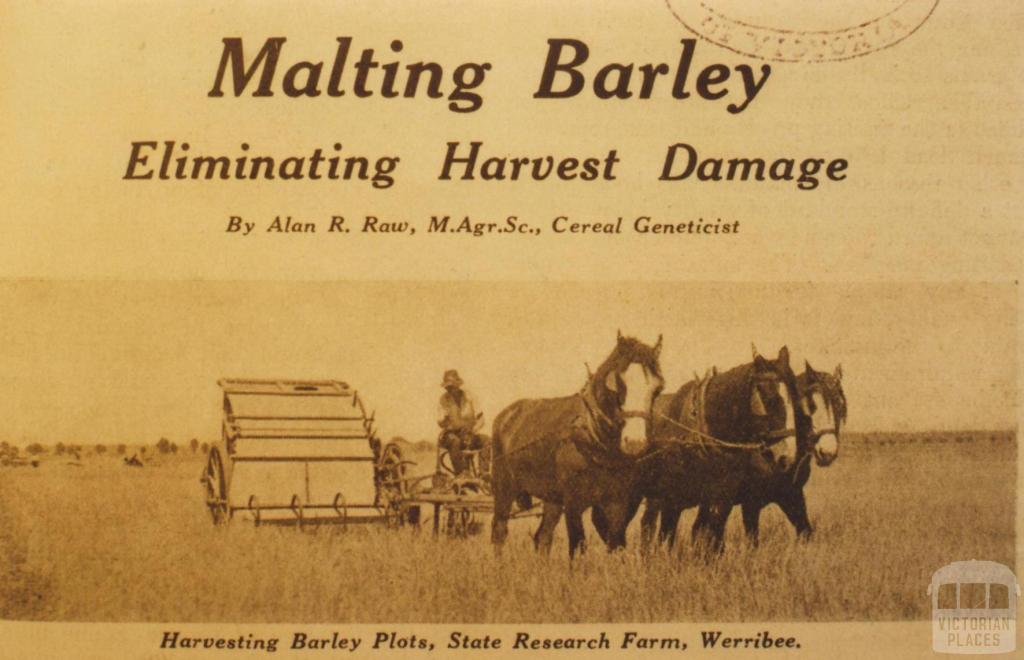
x,y
727,391
834,393
731,385
627,350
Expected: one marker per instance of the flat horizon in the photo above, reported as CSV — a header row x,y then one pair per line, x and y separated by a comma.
x,y
112,361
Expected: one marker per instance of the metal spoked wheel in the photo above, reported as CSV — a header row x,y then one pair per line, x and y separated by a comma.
x,y
462,521
341,509
257,512
393,484
298,509
215,481
444,463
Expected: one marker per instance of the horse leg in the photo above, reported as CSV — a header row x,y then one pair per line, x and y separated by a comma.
x,y
794,506
717,527
700,524
499,523
600,522
669,522
616,510
503,499
574,525
545,533
618,515
752,520
647,525
710,526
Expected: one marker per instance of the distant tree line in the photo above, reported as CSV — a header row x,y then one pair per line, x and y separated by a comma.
x,y
163,446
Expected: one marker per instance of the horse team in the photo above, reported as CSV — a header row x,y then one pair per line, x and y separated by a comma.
x,y
746,437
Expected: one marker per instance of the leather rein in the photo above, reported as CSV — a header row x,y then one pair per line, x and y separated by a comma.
x,y
703,439
596,446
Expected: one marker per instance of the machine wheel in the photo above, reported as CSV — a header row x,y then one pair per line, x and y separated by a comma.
x,y
461,522
444,463
393,489
215,481
478,466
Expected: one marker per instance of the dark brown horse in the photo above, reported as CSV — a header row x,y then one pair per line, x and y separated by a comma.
x,y
712,437
578,451
824,412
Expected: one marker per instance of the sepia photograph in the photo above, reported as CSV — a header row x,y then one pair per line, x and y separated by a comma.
x,y
503,452
531,329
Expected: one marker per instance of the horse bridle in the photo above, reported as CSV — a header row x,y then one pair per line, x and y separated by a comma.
x,y
772,438
816,434
764,441
769,439
595,415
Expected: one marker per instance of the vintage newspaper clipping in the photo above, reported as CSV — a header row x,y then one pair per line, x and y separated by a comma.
x,y
479,328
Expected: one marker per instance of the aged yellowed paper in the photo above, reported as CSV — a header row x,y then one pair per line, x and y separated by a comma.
x,y
509,329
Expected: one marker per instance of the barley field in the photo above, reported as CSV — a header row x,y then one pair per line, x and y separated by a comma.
x,y
100,541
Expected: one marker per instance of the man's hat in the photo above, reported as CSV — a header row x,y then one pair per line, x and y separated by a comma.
x,y
451,377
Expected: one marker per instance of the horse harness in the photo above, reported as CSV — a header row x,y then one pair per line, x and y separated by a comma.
x,y
697,435
589,439
834,429
590,445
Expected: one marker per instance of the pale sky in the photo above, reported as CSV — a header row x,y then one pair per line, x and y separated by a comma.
x,y
117,362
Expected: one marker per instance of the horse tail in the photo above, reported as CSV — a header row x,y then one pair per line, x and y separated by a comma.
x,y
498,443
503,431
501,468
501,475
502,480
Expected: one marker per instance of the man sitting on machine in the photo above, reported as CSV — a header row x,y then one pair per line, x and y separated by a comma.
x,y
460,421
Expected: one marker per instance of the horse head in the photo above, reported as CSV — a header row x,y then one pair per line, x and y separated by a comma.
x,y
624,388
773,397
824,403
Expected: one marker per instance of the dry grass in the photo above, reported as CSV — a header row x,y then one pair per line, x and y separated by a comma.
x,y
103,542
